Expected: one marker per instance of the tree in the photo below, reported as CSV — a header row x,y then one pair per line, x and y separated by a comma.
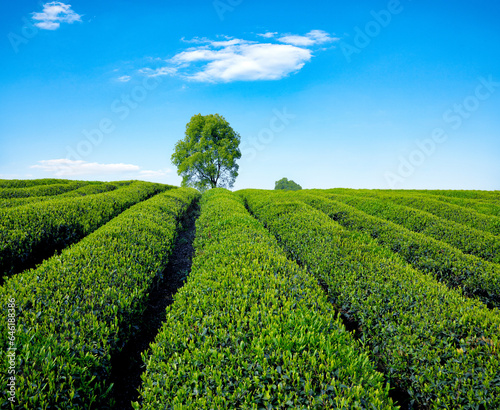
x,y
206,157
287,185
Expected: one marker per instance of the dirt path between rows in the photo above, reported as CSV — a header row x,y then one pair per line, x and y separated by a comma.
x,y
128,365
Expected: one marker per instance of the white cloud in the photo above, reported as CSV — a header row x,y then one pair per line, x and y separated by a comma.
x,y
195,40
234,59
267,35
54,14
67,167
229,42
10,176
158,71
252,62
194,54
312,38
153,174
124,78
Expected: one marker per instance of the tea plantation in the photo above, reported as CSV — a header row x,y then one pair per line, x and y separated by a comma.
x,y
310,299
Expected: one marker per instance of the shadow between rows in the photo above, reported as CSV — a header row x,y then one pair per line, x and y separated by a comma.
x,y
127,365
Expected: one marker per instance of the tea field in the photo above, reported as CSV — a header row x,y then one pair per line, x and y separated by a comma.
x,y
311,299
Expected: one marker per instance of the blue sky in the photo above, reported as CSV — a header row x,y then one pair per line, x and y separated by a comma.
x,y
366,94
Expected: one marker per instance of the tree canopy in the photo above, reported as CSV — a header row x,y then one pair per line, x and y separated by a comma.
x,y
286,184
206,157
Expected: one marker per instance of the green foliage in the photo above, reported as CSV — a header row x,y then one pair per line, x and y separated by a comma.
x,y
206,157
451,212
90,189
483,195
469,240
488,207
95,189
77,309
451,194
32,232
439,346
41,190
253,330
25,183
430,204
477,277
287,185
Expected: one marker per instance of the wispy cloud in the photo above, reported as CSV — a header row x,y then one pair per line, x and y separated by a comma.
x,y
312,38
12,176
67,167
157,72
54,14
154,174
268,35
234,59
124,78
195,40
246,62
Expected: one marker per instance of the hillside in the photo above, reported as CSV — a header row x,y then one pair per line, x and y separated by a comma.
x,y
333,298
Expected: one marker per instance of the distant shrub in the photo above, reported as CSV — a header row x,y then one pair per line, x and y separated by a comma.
x,y
287,185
